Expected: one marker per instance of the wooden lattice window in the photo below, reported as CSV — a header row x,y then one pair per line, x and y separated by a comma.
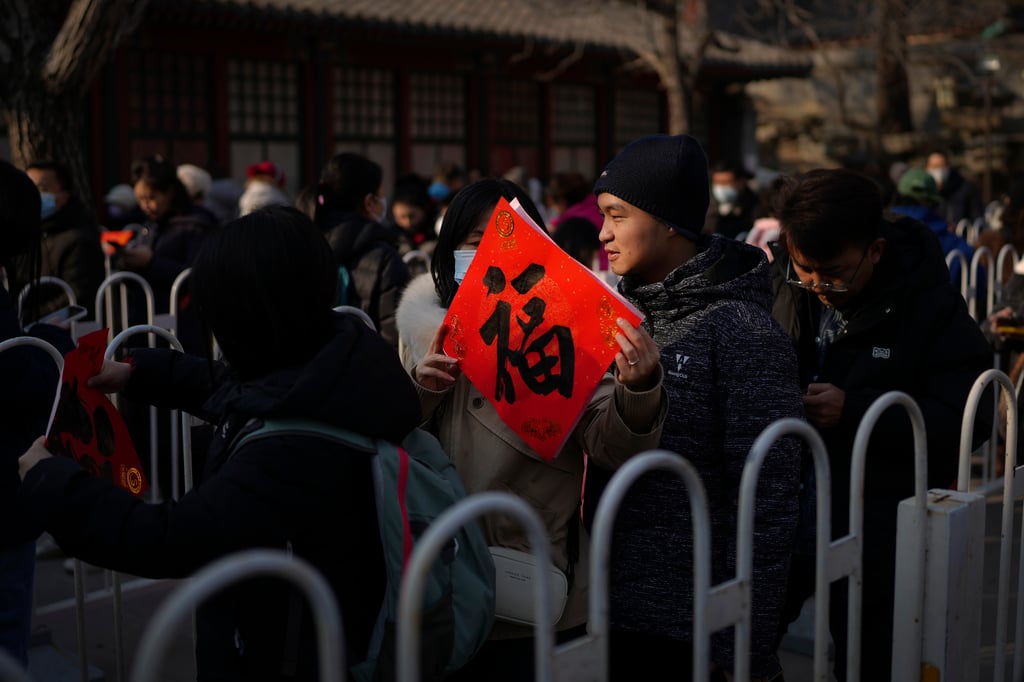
x,y
573,116
573,128
637,113
515,112
364,103
438,106
168,93
263,98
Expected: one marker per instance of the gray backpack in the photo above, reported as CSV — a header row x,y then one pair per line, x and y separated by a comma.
x,y
414,484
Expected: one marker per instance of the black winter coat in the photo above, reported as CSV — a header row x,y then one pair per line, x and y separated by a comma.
x,y
909,331
71,250
29,384
378,274
960,199
307,492
175,241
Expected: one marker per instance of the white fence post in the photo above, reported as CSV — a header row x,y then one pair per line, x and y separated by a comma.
x,y
907,628
604,521
958,256
228,570
112,348
1012,489
426,551
980,253
79,571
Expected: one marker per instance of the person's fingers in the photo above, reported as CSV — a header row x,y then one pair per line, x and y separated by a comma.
x,y
627,350
437,343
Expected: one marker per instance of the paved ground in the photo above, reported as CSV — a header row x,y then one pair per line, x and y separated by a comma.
x,y
55,657
57,631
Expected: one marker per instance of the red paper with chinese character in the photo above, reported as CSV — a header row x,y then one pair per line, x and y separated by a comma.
x,y
85,425
533,329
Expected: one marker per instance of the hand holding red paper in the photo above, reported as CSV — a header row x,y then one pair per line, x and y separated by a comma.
x,y
535,331
437,371
85,425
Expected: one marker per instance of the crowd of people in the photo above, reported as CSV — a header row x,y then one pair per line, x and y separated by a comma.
x,y
807,300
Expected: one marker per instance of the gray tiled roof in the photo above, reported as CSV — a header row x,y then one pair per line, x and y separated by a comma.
x,y
597,23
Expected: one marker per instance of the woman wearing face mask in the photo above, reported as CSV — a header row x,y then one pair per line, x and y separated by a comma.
x,y
350,208
624,417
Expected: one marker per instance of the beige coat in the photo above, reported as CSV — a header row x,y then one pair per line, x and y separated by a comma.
x,y
490,456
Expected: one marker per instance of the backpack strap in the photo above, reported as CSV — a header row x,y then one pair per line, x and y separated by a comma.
x,y
306,427
357,441
344,281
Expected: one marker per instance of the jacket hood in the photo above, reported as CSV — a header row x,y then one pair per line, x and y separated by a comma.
x,y
723,269
352,234
419,315
259,195
954,181
926,215
356,382
913,256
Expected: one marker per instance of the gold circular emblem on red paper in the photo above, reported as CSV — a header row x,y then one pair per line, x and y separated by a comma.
x,y
134,480
504,223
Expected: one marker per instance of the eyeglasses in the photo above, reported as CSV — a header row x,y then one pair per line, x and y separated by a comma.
x,y
837,286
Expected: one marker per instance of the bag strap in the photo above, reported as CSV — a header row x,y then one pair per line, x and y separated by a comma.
x,y
572,541
306,427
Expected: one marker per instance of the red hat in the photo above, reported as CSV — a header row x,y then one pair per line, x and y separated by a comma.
x,y
267,168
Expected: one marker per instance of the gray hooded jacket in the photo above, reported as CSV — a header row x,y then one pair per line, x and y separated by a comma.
x,y
730,372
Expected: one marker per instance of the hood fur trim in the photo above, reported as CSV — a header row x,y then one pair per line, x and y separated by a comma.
x,y
418,317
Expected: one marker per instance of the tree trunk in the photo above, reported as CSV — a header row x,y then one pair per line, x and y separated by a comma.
x,y
892,84
677,98
50,54
672,74
42,126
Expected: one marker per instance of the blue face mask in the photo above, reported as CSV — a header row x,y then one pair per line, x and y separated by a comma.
x,y
49,205
438,191
724,194
463,258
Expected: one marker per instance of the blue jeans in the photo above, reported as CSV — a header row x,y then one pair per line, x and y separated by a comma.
x,y
17,568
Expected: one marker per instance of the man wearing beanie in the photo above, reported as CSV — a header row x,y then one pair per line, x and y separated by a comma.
x,y
730,372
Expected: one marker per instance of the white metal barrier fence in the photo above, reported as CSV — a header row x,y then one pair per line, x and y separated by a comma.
x,y
1012,490
727,604
227,571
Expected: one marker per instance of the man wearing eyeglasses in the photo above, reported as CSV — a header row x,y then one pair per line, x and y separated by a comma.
x,y
868,303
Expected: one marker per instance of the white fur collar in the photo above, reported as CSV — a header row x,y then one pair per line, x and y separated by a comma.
x,y
418,317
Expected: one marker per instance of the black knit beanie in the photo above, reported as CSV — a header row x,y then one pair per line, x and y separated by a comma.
x,y
665,175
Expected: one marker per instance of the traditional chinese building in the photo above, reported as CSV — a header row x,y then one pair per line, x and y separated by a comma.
x,y
409,83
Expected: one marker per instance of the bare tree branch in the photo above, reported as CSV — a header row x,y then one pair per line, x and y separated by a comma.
x,y
523,54
91,29
799,18
567,61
